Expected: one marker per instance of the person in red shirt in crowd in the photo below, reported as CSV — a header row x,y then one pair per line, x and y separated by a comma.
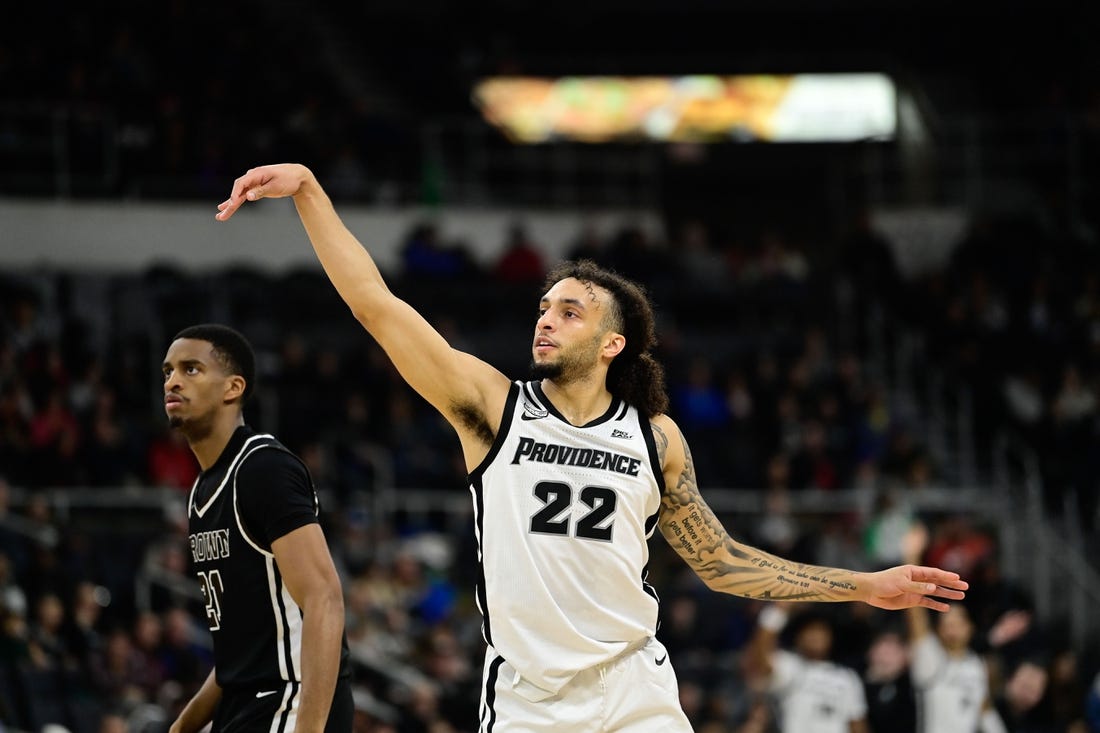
x,y
171,462
959,546
521,261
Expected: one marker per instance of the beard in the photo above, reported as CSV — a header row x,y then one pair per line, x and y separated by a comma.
x,y
571,366
550,371
194,429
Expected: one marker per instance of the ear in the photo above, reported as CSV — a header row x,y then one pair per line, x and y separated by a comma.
x,y
613,344
234,388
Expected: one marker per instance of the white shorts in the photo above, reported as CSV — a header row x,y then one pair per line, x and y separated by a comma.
x,y
634,693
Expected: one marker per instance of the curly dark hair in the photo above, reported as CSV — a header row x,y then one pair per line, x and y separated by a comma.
x,y
634,375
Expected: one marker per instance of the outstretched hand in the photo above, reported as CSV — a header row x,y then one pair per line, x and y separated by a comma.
x,y
268,181
907,586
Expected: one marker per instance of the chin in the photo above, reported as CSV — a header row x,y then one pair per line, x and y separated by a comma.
x,y
545,370
175,421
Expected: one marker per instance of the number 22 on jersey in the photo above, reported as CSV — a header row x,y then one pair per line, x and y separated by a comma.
x,y
557,499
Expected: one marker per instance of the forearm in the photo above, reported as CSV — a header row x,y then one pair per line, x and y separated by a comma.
x,y
322,632
200,709
693,530
746,571
350,268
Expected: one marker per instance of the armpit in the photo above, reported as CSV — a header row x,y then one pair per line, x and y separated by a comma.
x,y
473,419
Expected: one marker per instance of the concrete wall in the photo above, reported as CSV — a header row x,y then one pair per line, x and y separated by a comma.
x,y
127,236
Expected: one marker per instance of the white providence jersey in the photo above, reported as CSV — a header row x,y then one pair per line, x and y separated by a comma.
x,y
562,515
816,696
950,691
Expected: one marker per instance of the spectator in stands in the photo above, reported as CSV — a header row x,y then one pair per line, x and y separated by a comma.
x,y
1021,703
181,656
55,441
891,699
951,679
424,255
814,694
170,462
521,261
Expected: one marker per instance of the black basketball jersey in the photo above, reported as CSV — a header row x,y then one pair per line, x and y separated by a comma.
x,y
256,492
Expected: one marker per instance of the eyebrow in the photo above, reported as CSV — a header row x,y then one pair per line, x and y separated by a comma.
x,y
183,363
566,301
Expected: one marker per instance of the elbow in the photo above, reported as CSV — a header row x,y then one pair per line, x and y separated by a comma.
x,y
370,305
334,602
326,601
364,317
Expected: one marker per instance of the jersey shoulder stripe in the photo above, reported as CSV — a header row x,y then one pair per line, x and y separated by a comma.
x,y
236,509
502,433
230,471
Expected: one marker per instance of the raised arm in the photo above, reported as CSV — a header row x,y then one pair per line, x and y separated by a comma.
x,y
728,566
457,384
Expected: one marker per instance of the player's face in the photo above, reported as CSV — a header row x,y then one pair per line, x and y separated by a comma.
x,y
571,332
196,386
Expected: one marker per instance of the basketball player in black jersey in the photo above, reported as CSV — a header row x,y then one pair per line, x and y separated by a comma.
x,y
274,603
561,514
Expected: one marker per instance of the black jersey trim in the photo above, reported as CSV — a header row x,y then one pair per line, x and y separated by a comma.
x,y
480,594
502,432
289,667
622,412
649,589
191,496
612,409
491,694
289,705
230,471
530,395
654,459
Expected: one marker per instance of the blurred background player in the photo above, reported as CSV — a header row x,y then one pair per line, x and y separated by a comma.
x,y
813,694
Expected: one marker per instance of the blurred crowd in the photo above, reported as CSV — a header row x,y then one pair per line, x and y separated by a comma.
x,y
769,377
1015,316
775,373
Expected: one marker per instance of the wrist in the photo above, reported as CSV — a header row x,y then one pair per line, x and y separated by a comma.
x,y
861,587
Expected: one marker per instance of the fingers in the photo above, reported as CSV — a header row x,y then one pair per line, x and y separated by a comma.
x,y
248,187
933,604
954,595
939,577
931,589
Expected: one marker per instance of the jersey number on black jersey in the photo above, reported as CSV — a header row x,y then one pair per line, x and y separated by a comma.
x,y
212,589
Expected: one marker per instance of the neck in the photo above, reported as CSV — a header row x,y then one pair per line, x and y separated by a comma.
x,y
208,447
579,401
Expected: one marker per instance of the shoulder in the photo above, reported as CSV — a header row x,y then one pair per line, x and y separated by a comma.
x,y
272,462
668,439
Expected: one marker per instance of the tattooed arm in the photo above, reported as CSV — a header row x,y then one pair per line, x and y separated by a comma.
x,y
728,566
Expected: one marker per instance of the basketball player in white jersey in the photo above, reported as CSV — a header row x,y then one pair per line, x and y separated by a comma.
x,y
951,680
570,474
814,694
